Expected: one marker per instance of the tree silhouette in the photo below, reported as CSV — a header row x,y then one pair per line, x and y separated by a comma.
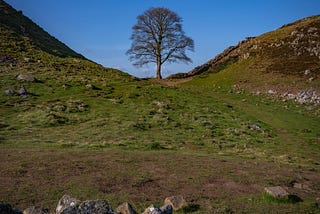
x,y
158,38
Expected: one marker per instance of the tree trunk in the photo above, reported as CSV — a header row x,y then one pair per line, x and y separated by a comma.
x,y
159,70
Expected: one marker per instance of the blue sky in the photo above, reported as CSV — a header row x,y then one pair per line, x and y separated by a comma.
x,y
100,29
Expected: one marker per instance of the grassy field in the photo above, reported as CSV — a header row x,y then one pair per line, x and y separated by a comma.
x,y
97,133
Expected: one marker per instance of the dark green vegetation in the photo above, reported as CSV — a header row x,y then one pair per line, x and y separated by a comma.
x,y
94,132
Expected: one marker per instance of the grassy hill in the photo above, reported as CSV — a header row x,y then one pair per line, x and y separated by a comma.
x,y
95,132
285,61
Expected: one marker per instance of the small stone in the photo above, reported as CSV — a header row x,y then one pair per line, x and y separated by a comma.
x,y
254,127
177,202
27,78
277,192
125,208
166,209
152,210
10,92
271,92
23,92
65,202
36,210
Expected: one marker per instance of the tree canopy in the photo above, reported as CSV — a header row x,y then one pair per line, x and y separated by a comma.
x,y
158,37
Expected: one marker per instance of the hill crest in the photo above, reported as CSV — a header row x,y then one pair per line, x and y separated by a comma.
x,y
21,34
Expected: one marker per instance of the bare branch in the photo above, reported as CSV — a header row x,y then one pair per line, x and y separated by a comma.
x,y
158,38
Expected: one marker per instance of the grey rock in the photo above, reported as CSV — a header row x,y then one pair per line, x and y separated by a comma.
x,y
23,92
7,209
10,92
27,78
177,202
166,209
254,127
95,207
152,210
70,210
277,192
125,208
36,210
66,202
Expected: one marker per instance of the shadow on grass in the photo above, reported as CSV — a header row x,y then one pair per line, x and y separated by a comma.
x,y
190,208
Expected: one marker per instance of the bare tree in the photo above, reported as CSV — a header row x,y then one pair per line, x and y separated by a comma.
x,y
158,38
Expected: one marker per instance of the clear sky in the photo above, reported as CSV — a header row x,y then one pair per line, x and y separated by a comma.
x,y
100,29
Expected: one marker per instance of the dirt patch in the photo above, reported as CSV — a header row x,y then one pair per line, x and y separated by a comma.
x,y
42,177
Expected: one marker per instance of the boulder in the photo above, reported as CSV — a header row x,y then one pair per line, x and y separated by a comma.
x,y
66,202
177,202
277,192
95,207
125,208
36,210
27,78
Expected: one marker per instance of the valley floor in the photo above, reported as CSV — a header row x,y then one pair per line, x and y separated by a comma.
x,y
209,183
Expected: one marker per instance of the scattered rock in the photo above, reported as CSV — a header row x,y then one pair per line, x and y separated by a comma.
x,y
70,210
10,92
277,192
271,92
27,78
177,202
306,72
254,127
23,92
166,209
36,210
152,210
95,207
125,208
28,59
66,202
93,87
66,86
7,59
7,209
300,186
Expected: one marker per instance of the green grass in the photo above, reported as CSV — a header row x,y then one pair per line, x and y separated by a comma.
x,y
121,138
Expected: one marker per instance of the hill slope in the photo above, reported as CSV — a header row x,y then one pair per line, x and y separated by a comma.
x,y
93,132
284,62
19,34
